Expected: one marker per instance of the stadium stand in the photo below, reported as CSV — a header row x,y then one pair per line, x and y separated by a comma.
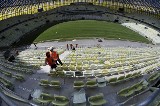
x,y
73,12
145,31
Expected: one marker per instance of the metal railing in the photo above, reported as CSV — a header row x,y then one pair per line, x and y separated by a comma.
x,y
151,99
8,101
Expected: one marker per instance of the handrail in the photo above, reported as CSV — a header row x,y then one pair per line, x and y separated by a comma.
x,y
150,99
9,101
6,100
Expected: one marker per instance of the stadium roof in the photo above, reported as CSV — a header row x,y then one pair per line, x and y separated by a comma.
x,y
149,3
11,8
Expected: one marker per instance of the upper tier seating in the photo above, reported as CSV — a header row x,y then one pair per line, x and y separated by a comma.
x,y
145,31
14,21
17,27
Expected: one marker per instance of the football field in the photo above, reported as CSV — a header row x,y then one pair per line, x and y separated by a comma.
x,y
84,29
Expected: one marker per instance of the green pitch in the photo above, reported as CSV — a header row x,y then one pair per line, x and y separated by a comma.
x,y
87,29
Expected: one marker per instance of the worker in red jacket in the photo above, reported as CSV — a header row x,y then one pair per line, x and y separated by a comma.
x,y
55,56
49,60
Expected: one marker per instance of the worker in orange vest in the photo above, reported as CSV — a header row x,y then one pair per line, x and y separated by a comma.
x,y
49,60
55,56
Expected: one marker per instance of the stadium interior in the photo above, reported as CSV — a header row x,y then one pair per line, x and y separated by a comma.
x,y
115,60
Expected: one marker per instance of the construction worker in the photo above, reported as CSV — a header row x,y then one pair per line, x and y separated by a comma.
x,y
49,60
67,47
76,45
55,56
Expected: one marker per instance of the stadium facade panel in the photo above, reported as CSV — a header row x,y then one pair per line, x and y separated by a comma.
x,y
11,8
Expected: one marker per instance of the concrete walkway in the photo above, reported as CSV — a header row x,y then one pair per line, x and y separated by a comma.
x,y
92,42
